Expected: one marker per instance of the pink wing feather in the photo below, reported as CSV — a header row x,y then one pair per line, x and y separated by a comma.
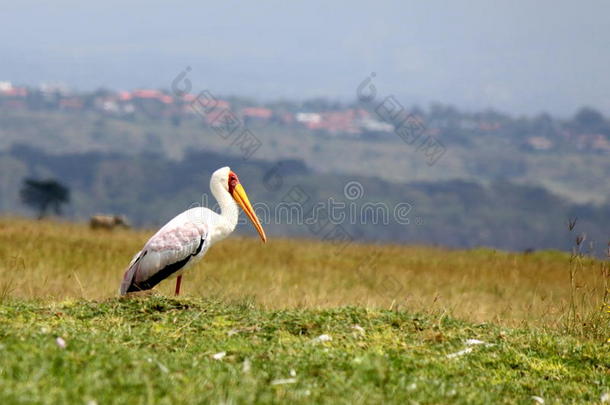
x,y
171,249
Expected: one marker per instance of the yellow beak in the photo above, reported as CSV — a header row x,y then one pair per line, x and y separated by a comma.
x,y
240,196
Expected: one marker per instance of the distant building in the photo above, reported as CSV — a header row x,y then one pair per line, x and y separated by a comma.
x,y
8,90
350,121
308,118
71,103
539,143
373,125
597,142
256,115
602,143
257,112
146,94
12,97
489,126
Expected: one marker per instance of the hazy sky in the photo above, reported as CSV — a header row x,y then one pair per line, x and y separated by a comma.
x,y
515,56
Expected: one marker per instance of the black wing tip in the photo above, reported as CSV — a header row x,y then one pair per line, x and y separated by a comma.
x,y
130,286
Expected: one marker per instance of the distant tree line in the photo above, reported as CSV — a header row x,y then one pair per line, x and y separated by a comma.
x,y
453,213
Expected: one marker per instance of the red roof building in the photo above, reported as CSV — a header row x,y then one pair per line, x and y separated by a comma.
x,y
257,112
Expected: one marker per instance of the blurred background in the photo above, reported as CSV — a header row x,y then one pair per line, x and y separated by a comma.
x,y
490,122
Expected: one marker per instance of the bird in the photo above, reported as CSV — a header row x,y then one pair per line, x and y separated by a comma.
x,y
185,239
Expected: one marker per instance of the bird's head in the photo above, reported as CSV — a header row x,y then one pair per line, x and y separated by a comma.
x,y
230,182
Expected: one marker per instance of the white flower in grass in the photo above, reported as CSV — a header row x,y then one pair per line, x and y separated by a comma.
x,y
537,399
460,353
358,329
605,398
219,355
474,342
323,338
61,342
282,381
470,343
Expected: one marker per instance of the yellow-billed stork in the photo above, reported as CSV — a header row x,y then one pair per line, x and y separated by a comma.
x,y
184,240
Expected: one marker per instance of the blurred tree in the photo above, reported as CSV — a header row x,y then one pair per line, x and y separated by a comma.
x,y
589,119
44,195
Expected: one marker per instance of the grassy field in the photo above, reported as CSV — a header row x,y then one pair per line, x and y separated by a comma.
x,y
297,321
156,350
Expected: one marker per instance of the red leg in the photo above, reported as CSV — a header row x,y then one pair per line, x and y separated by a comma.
x,y
178,282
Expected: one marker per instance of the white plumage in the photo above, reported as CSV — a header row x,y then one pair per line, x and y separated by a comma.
x,y
184,240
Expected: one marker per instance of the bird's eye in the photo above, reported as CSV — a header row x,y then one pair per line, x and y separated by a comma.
x,y
233,181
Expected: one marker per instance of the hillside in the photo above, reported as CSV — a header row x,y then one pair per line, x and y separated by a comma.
x,y
150,190
480,147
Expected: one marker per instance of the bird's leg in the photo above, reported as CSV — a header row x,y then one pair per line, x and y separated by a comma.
x,y
178,281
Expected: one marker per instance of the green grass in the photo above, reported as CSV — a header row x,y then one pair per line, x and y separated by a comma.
x,y
156,350
540,315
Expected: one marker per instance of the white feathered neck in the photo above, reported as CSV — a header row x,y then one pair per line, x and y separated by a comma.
x,y
229,211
